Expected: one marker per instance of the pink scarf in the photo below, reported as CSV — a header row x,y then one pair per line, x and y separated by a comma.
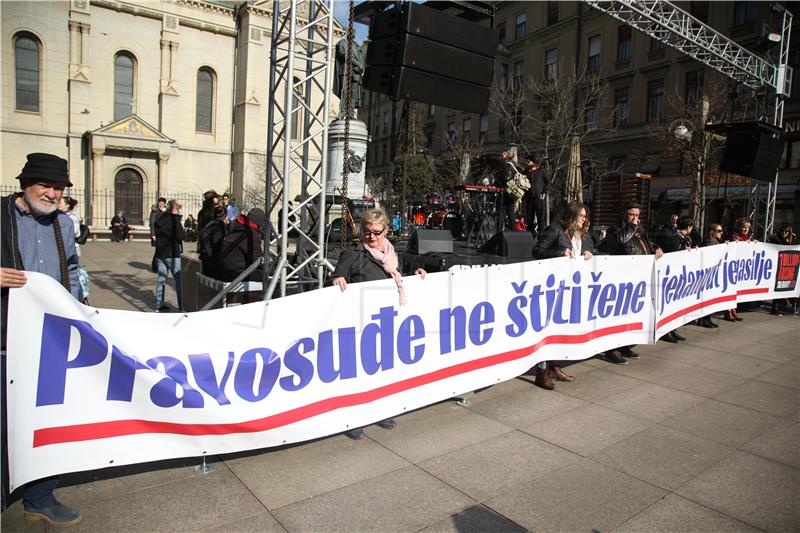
x,y
388,258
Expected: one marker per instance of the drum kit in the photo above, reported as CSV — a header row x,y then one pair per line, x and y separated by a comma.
x,y
469,213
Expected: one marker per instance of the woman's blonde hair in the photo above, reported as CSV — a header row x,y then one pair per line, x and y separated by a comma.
x,y
374,216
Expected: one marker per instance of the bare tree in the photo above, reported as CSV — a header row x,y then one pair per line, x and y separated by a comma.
x,y
544,116
682,135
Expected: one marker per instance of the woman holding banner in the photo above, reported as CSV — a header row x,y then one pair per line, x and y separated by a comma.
x,y
740,233
569,237
371,259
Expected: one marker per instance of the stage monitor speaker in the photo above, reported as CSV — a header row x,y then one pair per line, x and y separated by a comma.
x,y
431,240
753,150
510,244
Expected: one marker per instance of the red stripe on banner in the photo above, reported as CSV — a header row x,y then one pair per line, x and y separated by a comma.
x,y
709,303
120,428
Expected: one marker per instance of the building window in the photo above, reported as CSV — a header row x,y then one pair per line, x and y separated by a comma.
x,y
655,100
385,122
26,63
124,76
385,153
551,64
743,12
466,129
452,136
655,44
520,25
484,128
503,79
501,32
431,110
552,12
623,43
204,111
591,115
693,87
519,74
593,62
621,107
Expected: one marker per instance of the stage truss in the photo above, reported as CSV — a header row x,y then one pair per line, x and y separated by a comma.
x,y
300,70
667,23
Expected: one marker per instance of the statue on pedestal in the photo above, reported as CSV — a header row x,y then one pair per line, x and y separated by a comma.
x,y
340,76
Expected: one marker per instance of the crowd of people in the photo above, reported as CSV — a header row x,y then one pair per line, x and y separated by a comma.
x,y
40,228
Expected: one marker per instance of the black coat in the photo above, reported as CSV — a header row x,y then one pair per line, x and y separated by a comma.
x,y
627,239
169,236
356,265
238,250
672,241
211,246
554,240
540,181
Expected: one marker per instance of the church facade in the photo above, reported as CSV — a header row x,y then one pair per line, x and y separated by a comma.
x,y
143,98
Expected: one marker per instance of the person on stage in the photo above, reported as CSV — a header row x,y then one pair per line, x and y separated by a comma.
x,y
370,259
536,196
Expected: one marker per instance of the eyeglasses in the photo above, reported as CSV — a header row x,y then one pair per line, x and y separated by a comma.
x,y
717,231
373,233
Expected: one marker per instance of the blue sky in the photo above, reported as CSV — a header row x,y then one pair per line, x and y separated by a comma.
x,y
341,9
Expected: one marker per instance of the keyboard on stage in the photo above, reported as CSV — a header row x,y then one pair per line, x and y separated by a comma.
x,y
478,188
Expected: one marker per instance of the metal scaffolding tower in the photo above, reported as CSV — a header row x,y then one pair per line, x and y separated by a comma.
x,y
299,89
667,23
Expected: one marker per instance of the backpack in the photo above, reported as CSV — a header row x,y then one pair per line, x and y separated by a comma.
x,y
85,232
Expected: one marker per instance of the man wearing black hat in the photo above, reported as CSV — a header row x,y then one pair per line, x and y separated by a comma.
x,y
37,237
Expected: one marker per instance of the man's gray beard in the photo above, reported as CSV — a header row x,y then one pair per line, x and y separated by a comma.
x,y
34,210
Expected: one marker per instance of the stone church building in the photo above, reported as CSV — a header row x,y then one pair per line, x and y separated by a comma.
x,y
143,98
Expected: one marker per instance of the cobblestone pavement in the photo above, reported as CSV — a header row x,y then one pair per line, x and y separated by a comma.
x,y
699,436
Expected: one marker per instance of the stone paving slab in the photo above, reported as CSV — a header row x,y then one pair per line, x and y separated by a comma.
x,y
405,500
754,490
582,496
493,467
697,436
664,457
679,515
722,422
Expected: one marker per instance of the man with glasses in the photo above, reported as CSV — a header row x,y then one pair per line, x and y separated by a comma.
x,y
37,237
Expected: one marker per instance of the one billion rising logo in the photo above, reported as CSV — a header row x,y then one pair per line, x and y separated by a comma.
x,y
786,278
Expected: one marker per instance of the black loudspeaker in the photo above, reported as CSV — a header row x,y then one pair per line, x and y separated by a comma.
x,y
753,150
431,240
510,244
427,55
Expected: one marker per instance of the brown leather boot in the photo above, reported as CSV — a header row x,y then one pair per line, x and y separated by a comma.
x,y
543,379
560,375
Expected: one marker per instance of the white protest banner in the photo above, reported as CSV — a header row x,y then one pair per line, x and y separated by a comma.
x,y
762,271
91,388
695,283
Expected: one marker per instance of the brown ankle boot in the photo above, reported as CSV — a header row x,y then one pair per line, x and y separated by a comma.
x,y
560,375
543,379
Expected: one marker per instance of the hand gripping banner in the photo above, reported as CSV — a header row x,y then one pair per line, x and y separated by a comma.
x,y
91,388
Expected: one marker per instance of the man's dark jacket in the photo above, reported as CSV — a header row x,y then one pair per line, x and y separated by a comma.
x,y
238,250
627,239
169,235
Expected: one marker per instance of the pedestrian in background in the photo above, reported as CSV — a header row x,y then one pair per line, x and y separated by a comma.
x,y
169,246
67,205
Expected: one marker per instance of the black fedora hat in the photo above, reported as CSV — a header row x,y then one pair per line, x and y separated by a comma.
x,y
46,167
